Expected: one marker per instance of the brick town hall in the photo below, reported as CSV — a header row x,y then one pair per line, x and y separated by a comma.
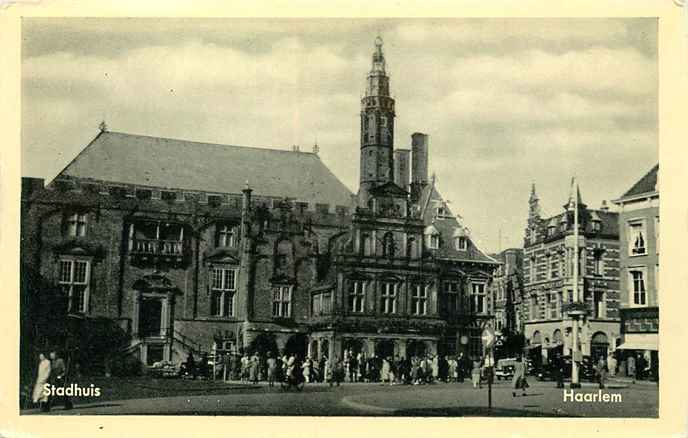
x,y
187,247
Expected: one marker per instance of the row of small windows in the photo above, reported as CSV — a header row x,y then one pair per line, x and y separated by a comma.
x,y
145,234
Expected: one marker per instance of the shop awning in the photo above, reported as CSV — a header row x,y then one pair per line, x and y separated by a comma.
x,y
640,342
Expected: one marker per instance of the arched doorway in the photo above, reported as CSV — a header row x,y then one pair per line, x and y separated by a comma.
x,y
599,345
384,348
353,346
262,344
536,339
297,345
556,337
415,348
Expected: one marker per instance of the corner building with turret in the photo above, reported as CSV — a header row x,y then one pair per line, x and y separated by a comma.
x,y
548,268
177,246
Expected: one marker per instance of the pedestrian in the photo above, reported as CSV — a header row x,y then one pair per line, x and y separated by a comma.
x,y
307,365
272,369
39,395
611,364
435,365
245,365
338,370
630,367
476,373
519,379
227,367
384,376
640,367
559,370
362,364
191,365
601,372
253,369
460,367
58,377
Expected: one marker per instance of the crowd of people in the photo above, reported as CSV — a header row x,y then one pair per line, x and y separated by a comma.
x,y
352,367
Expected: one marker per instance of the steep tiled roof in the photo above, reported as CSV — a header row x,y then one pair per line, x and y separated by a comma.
x,y
447,226
646,184
188,165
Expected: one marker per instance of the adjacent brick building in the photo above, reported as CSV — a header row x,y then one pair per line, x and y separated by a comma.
x,y
639,277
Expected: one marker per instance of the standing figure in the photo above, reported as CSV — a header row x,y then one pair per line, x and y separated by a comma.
x,y
254,363
611,364
519,379
601,372
272,369
58,377
476,373
39,396
307,364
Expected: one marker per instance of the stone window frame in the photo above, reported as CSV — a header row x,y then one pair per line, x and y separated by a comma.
x,y
356,295
631,225
389,298
282,295
76,223
69,284
223,290
419,299
642,270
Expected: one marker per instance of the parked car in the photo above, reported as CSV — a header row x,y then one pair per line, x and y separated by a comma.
x,y
505,368
586,371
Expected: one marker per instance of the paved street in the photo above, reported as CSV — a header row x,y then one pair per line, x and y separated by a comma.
x,y
638,400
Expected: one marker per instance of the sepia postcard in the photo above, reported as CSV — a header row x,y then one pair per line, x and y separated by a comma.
x,y
376,217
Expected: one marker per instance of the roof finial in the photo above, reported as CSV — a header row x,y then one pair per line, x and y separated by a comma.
x,y
316,148
103,126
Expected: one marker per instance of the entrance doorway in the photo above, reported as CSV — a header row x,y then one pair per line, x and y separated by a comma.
x,y
297,345
151,317
262,344
598,347
415,348
384,348
354,346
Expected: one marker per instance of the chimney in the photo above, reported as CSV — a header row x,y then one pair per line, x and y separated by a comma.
x,y
605,206
401,168
509,261
419,164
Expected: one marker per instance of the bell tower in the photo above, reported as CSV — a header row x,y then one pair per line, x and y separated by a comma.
x,y
377,128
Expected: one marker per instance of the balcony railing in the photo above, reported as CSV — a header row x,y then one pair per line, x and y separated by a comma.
x,y
157,247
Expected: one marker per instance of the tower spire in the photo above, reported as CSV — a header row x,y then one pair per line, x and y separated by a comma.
x,y
377,128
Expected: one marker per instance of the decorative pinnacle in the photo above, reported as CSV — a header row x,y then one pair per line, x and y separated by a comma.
x,y
103,126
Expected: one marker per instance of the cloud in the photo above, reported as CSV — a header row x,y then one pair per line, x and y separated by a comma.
x,y
505,101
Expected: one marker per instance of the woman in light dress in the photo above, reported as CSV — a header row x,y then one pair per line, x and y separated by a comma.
x,y
41,379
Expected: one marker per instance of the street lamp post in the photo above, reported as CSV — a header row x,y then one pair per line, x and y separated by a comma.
x,y
577,310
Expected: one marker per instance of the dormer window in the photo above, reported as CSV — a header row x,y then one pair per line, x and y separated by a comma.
x,y
461,243
551,230
76,224
432,237
596,226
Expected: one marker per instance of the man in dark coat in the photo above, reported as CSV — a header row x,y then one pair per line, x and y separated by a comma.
x,y
58,377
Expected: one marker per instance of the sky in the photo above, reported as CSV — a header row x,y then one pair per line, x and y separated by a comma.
x,y
506,102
